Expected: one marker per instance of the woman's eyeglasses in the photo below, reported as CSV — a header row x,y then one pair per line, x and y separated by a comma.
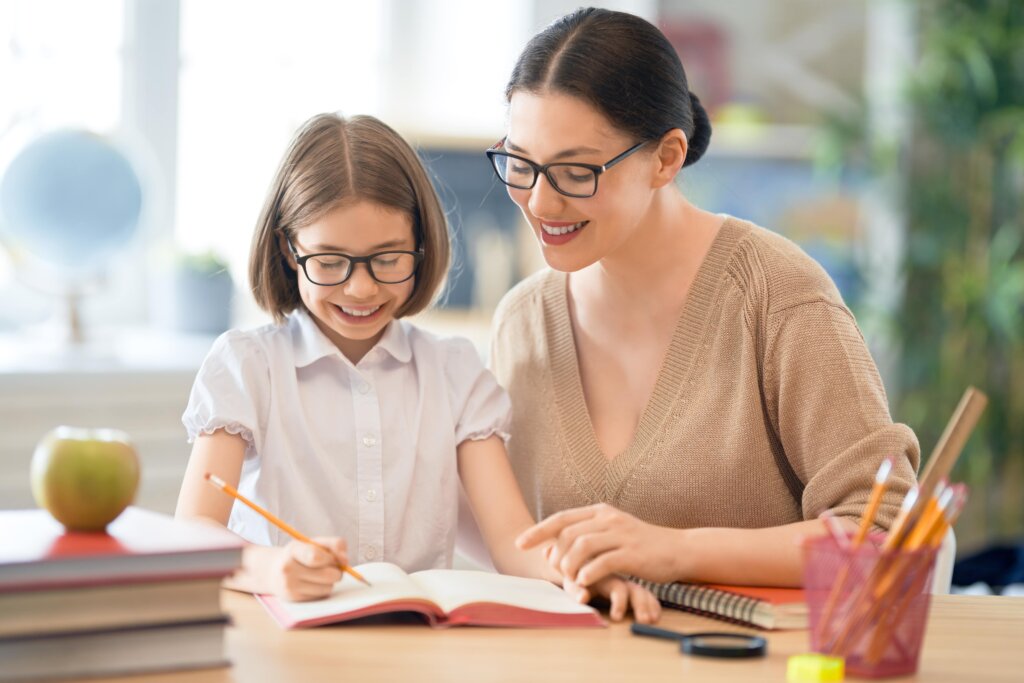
x,y
329,269
572,180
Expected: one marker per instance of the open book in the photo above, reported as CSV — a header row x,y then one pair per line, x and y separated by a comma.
x,y
445,597
767,608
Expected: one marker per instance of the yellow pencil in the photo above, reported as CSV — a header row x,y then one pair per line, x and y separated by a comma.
x,y
875,500
227,488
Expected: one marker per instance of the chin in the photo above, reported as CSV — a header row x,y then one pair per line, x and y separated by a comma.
x,y
566,259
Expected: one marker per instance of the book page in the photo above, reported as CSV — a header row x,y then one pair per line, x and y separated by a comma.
x,y
452,588
389,584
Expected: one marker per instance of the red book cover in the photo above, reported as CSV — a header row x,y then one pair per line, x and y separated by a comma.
x,y
140,545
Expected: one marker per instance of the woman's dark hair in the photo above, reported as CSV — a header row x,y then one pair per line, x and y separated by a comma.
x,y
622,65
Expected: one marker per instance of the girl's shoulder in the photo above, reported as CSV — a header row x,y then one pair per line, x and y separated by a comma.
x,y
429,345
243,346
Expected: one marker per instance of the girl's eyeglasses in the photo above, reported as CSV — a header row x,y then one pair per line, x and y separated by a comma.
x,y
572,180
386,267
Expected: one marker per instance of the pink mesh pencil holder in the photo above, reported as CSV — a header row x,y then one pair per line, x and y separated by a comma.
x,y
868,606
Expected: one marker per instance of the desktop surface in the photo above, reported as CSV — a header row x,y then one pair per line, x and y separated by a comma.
x,y
975,639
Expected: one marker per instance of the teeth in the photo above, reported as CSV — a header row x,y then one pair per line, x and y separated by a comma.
x,y
562,231
358,313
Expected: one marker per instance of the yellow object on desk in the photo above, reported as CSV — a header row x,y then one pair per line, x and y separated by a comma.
x,y
814,668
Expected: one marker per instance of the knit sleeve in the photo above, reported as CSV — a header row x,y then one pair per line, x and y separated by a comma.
x,y
827,404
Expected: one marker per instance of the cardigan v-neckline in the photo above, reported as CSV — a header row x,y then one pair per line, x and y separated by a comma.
x,y
606,476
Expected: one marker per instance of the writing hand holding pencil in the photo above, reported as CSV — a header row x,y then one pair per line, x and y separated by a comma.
x,y
308,552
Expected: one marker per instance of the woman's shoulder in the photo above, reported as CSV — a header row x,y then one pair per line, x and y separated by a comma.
x,y
527,297
770,265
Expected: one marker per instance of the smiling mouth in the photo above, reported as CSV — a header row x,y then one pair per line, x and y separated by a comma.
x,y
561,229
359,312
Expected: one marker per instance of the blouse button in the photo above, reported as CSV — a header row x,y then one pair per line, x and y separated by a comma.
x,y
369,441
364,388
369,552
371,495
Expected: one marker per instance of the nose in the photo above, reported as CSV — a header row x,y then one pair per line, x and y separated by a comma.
x,y
544,199
360,285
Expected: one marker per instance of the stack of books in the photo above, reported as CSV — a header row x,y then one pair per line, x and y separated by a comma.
x,y
142,597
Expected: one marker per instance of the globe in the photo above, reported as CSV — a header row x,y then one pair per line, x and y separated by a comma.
x,y
72,199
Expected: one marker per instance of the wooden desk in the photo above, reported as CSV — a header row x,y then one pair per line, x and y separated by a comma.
x,y
969,640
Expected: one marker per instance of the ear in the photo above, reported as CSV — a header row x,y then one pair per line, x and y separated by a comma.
x,y
289,258
670,155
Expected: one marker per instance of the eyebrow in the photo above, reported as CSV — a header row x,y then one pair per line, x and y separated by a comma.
x,y
565,153
383,246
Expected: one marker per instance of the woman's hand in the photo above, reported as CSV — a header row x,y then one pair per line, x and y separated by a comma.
x,y
621,595
301,571
598,541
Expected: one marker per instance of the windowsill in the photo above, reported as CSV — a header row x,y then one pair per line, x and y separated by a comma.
x,y
105,350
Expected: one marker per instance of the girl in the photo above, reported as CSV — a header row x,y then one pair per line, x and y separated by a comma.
x,y
689,392
344,420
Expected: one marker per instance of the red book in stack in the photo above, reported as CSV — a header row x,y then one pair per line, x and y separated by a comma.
x,y
144,596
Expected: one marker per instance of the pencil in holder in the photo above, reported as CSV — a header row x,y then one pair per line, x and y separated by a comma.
x,y
868,605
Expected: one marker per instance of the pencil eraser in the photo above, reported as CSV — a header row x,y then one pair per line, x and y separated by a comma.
x,y
814,668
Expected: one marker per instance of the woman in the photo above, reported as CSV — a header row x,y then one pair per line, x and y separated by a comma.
x,y
689,391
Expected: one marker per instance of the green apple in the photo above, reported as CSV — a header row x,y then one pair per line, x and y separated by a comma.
x,y
85,477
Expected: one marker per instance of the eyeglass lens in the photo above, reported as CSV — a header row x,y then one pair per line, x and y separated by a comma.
x,y
570,179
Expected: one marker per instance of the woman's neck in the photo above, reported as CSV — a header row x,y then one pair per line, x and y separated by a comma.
x,y
652,271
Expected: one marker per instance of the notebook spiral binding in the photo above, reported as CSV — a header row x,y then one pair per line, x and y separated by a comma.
x,y
703,600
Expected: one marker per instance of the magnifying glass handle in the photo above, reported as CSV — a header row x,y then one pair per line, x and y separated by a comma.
x,y
655,632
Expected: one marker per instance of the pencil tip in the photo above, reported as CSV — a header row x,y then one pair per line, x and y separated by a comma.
x,y
206,476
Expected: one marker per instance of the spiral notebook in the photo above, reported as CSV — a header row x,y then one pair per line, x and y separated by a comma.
x,y
767,608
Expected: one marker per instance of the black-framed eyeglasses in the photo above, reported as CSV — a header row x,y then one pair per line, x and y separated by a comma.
x,y
571,179
331,268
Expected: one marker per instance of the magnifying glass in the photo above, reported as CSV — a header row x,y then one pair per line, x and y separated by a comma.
x,y
709,643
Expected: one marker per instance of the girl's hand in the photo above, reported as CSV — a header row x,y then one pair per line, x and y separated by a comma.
x,y
621,594
598,541
301,571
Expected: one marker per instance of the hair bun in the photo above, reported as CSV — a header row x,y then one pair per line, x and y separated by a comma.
x,y
701,137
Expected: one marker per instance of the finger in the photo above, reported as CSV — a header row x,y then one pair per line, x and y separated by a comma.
x,y
552,526
619,597
577,593
300,591
295,571
338,547
568,535
311,555
609,563
325,576
584,549
332,543
646,608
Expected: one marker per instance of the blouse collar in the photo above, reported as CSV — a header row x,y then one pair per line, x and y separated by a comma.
x,y
310,344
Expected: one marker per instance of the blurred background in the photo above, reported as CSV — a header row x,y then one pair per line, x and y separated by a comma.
x,y
885,136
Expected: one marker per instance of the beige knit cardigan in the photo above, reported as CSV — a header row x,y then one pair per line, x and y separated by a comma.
x,y
768,408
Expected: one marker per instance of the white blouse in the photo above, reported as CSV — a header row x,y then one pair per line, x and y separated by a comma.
x,y
365,451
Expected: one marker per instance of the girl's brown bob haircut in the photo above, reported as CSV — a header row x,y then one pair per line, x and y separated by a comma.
x,y
333,161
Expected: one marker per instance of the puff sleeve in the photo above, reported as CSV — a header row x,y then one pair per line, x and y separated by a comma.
x,y
231,391
480,406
